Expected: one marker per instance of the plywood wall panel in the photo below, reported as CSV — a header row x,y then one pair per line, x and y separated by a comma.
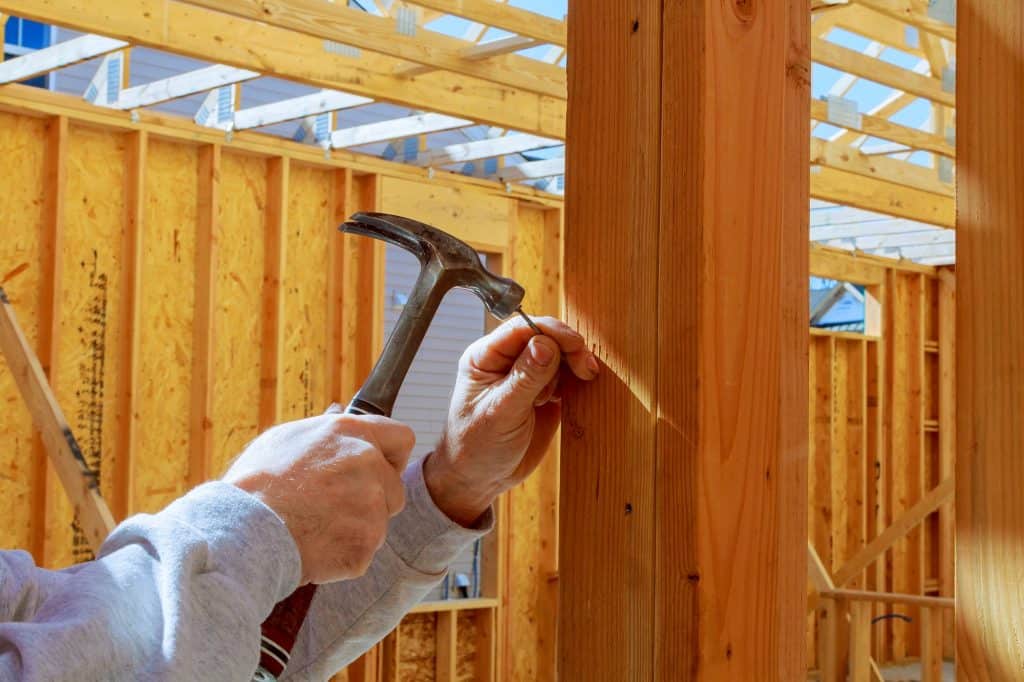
x,y
239,277
23,148
85,373
482,220
165,325
303,377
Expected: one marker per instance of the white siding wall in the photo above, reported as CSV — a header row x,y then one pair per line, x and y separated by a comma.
x,y
423,401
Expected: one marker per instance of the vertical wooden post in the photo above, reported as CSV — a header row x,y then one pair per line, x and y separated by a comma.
x,y
131,281
990,341
683,508
275,224
389,655
446,639
931,644
51,247
201,418
860,641
947,445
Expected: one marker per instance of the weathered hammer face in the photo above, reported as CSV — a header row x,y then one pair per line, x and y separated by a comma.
x,y
454,263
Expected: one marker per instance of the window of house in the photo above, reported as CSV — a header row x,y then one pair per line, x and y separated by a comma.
x,y
22,36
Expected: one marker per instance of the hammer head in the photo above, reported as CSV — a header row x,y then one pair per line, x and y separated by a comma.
x,y
452,261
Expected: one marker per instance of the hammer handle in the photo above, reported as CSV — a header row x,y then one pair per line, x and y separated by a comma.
x,y
281,628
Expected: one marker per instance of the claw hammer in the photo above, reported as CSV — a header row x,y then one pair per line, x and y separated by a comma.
x,y
445,263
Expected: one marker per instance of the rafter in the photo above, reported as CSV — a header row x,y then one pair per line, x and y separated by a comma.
x,y
532,170
853,62
339,23
295,108
394,129
182,85
502,16
57,56
482,149
878,27
889,107
220,38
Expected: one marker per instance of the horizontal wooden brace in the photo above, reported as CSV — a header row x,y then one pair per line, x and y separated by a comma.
x,y
220,38
890,598
57,56
846,188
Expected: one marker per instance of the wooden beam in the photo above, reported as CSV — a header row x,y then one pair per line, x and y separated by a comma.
x,y
911,13
57,56
513,19
841,157
883,128
223,39
683,465
879,196
339,23
79,481
989,341
878,71
909,520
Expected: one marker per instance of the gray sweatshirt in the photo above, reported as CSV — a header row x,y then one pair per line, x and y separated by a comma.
x,y
180,595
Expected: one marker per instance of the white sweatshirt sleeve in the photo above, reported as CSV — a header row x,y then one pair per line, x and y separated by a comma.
x,y
180,595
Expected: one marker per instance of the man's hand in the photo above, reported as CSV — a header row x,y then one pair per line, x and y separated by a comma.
x,y
335,481
504,412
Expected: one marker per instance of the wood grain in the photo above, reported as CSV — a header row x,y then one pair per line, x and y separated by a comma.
x,y
989,352
682,467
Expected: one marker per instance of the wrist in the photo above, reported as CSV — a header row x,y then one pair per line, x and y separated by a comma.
x,y
461,499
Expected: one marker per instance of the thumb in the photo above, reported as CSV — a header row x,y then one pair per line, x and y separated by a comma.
x,y
535,367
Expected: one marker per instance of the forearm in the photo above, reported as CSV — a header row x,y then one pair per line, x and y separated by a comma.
x,y
177,595
349,617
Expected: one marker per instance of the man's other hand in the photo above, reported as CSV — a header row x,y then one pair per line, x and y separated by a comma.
x,y
335,480
504,412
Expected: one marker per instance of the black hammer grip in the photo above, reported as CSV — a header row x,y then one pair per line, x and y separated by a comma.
x,y
281,628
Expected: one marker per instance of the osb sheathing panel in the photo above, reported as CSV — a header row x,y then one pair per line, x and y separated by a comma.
x,y
23,149
469,636
87,336
160,463
237,331
302,378
417,648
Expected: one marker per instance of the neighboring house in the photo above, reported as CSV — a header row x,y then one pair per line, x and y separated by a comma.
x,y
423,402
22,36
